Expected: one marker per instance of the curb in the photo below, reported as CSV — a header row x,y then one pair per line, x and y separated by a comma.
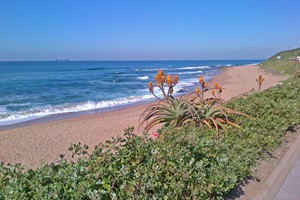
x,y
277,178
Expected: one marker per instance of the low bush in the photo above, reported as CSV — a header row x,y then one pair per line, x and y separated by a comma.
x,y
184,163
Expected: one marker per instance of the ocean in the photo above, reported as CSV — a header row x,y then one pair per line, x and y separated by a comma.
x,y
35,90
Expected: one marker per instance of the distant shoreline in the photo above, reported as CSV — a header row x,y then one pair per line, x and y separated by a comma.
x,y
163,60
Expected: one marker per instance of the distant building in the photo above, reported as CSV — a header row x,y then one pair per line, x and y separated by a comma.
x,y
298,58
278,57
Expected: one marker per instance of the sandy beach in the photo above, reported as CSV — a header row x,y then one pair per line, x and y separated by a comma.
x,y
44,142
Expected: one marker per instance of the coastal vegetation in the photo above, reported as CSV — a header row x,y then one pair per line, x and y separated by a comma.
x,y
192,109
185,162
283,62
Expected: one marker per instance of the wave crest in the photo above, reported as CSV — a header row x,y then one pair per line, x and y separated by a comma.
x,y
8,118
196,72
143,77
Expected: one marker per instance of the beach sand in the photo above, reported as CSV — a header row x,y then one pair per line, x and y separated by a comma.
x,y
44,142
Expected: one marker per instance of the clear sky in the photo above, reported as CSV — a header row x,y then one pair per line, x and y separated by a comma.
x,y
147,29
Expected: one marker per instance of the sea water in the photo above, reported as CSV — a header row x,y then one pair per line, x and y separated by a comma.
x,y
32,90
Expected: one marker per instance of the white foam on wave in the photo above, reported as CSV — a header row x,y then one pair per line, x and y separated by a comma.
x,y
18,104
8,118
195,67
158,92
196,72
143,77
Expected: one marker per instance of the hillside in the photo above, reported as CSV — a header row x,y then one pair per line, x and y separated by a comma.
x,y
286,64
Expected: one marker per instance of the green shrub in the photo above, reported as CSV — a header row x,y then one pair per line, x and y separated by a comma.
x,y
184,163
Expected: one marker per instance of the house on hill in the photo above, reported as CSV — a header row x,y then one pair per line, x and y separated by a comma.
x,y
298,58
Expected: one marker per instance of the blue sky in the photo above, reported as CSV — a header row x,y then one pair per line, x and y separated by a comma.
x,y
147,30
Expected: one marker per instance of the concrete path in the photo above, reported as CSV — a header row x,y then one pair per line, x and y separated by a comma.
x,y
290,189
284,182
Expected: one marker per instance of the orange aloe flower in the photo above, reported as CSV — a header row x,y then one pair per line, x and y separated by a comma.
x,y
158,84
201,80
260,79
216,85
156,77
150,86
169,80
213,92
197,90
160,73
175,79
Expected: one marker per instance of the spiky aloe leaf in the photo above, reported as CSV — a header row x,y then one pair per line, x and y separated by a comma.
x,y
172,112
214,115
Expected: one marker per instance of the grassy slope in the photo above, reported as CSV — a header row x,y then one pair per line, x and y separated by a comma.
x,y
284,65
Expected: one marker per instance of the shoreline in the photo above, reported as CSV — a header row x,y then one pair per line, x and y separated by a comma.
x,y
43,142
74,114
97,111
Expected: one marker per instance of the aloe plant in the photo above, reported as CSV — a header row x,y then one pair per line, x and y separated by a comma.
x,y
192,108
212,114
171,112
260,80
211,111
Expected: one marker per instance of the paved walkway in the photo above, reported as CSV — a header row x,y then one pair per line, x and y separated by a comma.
x,y
290,189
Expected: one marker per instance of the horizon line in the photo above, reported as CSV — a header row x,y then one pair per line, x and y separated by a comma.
x,y
120,60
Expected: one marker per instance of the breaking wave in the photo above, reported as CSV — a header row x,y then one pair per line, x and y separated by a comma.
x,y
143,77
196,72
8,118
